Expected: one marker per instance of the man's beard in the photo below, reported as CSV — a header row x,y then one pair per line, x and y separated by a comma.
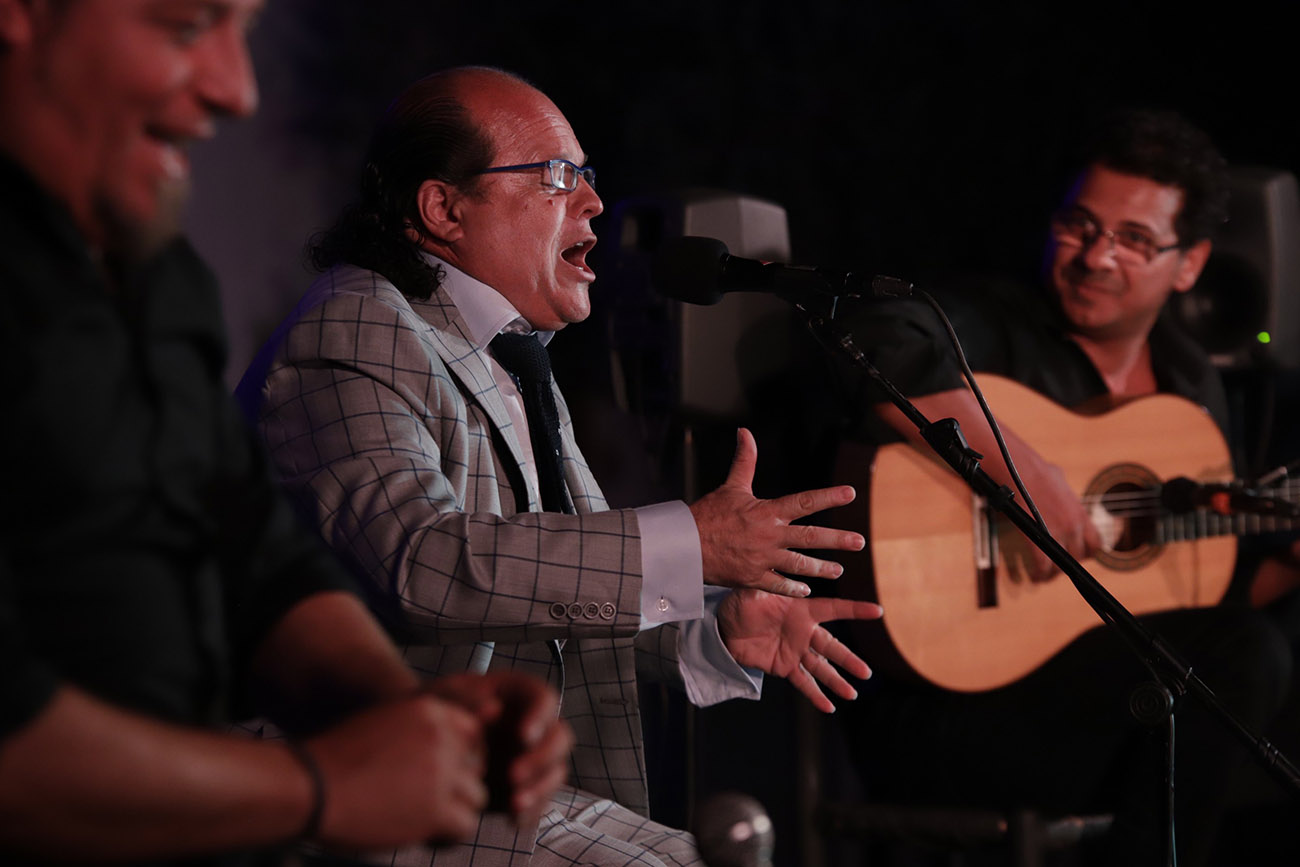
x,y
131,240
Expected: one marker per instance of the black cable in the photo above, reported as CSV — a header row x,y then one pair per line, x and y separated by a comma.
x,y
988,413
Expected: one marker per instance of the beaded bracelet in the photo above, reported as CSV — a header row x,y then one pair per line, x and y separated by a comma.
x,y
312,826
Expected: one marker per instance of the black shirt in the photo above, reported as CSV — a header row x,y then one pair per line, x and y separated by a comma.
x,y
1020,335
144,550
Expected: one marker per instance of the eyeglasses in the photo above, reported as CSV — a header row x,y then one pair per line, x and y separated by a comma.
x,y
1076,228
561,174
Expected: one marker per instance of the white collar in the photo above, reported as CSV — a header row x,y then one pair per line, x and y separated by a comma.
x,y
485,311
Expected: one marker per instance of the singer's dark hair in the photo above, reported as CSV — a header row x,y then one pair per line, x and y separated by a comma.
x,y
426,133
1165,147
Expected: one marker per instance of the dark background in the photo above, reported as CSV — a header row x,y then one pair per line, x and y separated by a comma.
x,y
927,139
918,138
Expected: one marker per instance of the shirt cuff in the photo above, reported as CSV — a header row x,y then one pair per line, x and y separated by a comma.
x,y
709,673
672,568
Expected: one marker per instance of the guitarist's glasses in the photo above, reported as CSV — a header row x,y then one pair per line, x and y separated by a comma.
x,y
1075,227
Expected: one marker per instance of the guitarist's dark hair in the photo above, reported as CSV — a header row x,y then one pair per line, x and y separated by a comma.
x,y
1165,147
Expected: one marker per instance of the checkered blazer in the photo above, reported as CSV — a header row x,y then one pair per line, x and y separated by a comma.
x,y
383,419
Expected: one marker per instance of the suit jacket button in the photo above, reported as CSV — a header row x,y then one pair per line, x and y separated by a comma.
x,y
575,610
607,611
559,610
591,611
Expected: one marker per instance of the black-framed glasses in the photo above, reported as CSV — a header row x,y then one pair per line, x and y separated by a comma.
x,y
561,174
1077,228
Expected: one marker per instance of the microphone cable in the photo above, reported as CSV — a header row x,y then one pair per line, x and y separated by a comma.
x,y
969,376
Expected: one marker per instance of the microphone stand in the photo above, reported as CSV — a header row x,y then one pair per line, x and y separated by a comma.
x,y
1153,703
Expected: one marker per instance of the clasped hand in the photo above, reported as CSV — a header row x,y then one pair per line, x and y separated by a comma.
x,y
426,765
746,542
527,742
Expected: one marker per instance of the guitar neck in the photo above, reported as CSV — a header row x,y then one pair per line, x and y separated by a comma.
x,y
1205,522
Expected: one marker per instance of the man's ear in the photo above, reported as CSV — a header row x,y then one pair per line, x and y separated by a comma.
x,y
439,206
16,21
1193,262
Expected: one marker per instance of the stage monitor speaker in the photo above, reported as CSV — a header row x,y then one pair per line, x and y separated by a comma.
x,y
724,349
1245,309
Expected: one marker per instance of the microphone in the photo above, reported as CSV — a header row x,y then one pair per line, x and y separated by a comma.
x,y
733,830
1184,495
700,271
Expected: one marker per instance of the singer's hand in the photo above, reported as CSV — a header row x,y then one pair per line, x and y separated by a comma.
x,y
784,637
745,541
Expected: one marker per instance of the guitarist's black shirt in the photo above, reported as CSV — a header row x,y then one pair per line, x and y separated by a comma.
x,y
1017,333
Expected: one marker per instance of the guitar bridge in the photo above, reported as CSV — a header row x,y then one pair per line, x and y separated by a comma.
x,y
986,552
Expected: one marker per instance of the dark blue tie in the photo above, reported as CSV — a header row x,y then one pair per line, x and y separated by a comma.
x,y
524,358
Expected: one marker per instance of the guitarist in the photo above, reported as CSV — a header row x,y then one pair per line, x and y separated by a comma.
x,y
1133,230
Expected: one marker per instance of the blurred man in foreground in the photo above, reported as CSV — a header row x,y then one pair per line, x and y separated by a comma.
x,y
153,584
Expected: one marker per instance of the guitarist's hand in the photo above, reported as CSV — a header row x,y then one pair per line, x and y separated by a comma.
x,y
784,637
745,540
1067,519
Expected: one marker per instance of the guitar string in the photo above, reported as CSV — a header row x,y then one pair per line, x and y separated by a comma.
x,y
1159,512
1287,492
1290,487
1147,503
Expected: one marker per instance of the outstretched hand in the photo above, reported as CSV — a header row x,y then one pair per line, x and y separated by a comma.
x,y
745,541
784,637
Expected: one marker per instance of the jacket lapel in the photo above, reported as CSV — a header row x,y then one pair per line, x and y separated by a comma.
x,y
469,366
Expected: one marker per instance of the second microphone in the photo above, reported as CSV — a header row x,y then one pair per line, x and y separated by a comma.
x,y
700,271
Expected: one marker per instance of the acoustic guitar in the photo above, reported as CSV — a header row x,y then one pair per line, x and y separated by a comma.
x,y
959,609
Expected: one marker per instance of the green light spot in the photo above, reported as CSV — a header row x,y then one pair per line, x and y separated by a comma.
x,y
1263,337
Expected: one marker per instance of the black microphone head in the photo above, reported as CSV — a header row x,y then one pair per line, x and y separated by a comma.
x,y
733,830
689,269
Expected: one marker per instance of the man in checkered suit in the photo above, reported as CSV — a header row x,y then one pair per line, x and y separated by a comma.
x,y
390,417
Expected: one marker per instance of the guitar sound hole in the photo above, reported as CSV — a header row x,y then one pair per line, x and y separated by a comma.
x,y
1122,507
1135,531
